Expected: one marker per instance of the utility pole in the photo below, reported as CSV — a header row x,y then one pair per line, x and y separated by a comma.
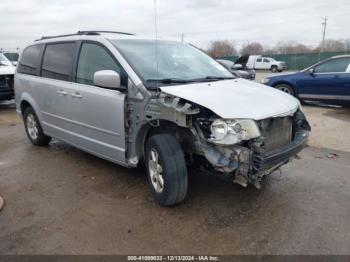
x,y
324,26
182,38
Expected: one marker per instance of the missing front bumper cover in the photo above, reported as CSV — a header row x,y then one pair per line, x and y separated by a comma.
x,y
249,166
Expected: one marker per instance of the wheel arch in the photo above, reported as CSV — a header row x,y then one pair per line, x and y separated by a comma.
x,y
27,100
183,135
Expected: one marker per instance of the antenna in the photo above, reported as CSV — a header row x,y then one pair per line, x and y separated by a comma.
x,y
324,25
156,33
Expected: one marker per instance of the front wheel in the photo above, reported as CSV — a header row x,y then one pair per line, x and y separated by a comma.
x,y
285,88
274,69
166,169
33,128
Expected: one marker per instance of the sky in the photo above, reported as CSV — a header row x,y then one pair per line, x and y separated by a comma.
x,y
200,21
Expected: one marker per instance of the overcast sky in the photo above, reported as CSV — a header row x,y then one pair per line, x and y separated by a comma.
x,y
201,21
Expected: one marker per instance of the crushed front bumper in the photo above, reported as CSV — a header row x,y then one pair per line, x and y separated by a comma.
x,y
246,166
261,162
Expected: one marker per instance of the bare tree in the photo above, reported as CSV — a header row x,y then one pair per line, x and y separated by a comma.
x,y
254,48
291,47
347,45
334,45
222,48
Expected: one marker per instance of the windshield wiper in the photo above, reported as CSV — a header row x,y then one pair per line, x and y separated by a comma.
x,y
168,80
154,83
212,78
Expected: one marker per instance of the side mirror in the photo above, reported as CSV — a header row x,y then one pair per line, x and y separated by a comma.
x,y
237,67
107,78
312,71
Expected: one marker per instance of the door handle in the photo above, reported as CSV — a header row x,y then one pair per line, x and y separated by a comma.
x,y
76,95
61,92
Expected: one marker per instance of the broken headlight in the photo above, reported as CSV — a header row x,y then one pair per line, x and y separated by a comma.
x,y
229,132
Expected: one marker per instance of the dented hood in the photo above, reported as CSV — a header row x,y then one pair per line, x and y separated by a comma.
x,y
237,98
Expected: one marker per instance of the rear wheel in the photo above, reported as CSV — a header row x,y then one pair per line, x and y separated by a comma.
x,y
274,69
33,128
166,169
285,88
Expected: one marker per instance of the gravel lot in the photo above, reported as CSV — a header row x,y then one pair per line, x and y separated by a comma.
x,y
60,200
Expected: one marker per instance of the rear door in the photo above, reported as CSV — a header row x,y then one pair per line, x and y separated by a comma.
x,y
52,89
330,82
259,63
96,114
266,64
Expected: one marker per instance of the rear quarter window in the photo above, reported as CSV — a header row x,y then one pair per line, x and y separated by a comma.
x,y
30,60
58,61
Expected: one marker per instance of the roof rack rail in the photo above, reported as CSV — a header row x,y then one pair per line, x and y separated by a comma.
x,y
97,32
84,33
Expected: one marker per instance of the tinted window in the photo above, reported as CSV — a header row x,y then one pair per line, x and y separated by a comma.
x,y
30,60
266,60
94,58
259,60
58,61
12,56
335,65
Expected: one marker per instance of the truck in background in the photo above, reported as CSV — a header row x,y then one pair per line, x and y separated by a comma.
x,y
260,62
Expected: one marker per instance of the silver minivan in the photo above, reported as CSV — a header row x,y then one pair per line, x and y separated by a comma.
x,y
133,100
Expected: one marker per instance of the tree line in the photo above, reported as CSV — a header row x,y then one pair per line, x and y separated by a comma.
x,y
228,48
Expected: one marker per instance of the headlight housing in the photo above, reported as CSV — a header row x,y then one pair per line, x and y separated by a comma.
x,y
229,132
265,80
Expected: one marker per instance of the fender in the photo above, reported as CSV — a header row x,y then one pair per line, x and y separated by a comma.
x,y
29,99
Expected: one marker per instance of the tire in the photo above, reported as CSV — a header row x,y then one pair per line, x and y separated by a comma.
x,y
33,128
274,69
285,88
166,169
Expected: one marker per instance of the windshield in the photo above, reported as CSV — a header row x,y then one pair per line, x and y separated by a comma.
x,y
176,61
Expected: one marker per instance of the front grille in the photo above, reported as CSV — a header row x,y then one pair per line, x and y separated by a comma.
x,y
277,132
3,82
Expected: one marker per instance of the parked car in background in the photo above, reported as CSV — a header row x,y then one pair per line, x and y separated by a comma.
x,y
327,81
102,94
260,62
12,56
237,70
7,70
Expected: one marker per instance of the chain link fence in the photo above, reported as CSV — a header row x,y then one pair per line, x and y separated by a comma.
x,y
297,61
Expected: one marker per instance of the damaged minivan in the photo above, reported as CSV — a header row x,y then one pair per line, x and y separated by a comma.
x,y
133,100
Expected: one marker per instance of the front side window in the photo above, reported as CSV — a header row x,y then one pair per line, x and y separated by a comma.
x,y
58,61
339,65
94,58
155,60
266,60
30,60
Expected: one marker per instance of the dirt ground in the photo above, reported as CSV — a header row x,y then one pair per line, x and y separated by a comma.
x,y
60,200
